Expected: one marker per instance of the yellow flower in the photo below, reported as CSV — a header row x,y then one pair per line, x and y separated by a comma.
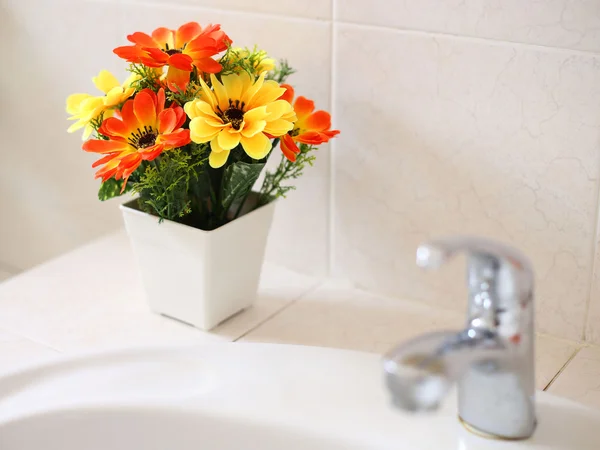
x,y
239,110
85,107
262,62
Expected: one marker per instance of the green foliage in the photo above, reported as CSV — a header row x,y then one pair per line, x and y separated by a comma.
x,y
112,188
237,60
179,185
238,179
287,170
165,183
95,124
150,77
281,72
182,97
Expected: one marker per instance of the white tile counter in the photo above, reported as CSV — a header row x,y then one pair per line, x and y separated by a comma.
x,y
92,298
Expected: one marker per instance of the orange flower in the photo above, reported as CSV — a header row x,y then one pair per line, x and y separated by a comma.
x,y
145,130
180,49
312,127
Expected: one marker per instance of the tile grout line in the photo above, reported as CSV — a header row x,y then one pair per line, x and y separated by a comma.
x,y
30,339
410,31
193,6
282,309
561,370
594,249
480,40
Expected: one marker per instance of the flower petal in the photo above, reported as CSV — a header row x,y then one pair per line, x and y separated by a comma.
x,y
128,116
167,120
102,146
288,95
278,127
181,62
186,32
278,108
318,121
257,146
289,147
141,39
269,92
176,139
228,139
218,159
251,89
74,102
163,37
233,84
105,81
219,92
202,131
115,127
303,107
253,127
144,107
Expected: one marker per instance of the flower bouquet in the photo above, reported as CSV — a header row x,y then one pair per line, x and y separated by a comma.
x,y
190,132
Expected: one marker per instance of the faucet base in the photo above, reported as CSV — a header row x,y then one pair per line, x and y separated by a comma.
x,y
477,432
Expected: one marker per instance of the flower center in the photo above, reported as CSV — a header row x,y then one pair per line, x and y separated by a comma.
x,y
234,114
143,138
171,51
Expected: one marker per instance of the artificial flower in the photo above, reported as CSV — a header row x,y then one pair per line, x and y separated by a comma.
x,y
312,127
180,50
85,108
239,110
146,129
258,59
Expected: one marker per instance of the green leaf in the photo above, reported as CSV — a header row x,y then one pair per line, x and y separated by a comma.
x,y
111,188
238,179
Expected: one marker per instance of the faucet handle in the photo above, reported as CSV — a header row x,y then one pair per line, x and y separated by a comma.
x,y
434,253
500,278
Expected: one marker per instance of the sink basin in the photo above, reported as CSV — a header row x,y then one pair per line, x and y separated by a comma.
x,y
243,396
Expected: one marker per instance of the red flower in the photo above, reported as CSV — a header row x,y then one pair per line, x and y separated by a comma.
x,y
145,130
312,127
180,50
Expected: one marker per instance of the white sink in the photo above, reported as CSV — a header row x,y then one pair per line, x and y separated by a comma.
x,y
243,396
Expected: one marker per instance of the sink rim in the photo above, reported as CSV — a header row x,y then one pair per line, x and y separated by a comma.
x,y
314,389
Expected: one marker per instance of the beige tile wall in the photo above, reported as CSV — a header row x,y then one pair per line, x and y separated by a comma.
x,y
457,116
450,128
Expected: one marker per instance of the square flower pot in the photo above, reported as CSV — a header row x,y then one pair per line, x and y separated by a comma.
x,y
196,276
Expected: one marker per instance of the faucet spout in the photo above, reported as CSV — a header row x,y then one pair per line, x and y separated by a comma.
x,y
420,372
491,360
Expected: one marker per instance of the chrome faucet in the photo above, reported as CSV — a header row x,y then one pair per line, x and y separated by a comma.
x,y
492,359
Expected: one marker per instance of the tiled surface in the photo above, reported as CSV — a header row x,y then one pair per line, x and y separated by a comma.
x,y
310,9
555,23
333,316
299,236
593,319
580,381
92,298
550,356
457,136
447,126
45,184
351,319
16,351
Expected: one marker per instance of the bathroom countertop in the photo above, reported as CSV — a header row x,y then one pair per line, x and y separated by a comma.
x,y
92,299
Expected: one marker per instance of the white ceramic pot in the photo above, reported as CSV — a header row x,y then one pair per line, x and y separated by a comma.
x,y
196,276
